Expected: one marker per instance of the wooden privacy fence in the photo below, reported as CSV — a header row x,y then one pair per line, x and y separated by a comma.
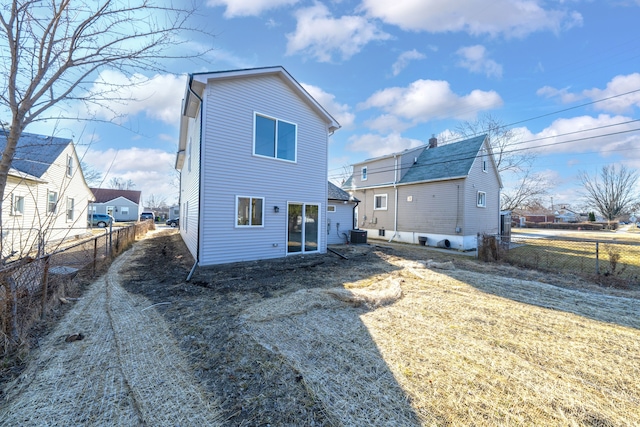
x,y
31,286
617,260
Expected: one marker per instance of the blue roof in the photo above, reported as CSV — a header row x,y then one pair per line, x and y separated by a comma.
x,y
445,162
35,153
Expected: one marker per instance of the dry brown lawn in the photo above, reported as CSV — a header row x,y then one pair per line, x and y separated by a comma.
x,y
397,335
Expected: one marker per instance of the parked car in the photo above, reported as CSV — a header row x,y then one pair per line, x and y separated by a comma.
x,y
147,215
99,220
173,222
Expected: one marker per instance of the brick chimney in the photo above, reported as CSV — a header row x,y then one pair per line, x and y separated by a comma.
x,y
433,142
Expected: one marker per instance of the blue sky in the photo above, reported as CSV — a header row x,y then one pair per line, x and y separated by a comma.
x,y
394,73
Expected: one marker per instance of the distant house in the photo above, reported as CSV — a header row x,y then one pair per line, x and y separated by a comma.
x,y
122,205
443,195
340,215
46,196
252,157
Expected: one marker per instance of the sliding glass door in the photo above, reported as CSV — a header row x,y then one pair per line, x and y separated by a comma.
x,y
303,222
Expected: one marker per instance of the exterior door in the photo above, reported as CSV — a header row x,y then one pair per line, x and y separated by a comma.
x,y
303,220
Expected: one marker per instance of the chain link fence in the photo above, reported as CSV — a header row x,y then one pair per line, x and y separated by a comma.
x,y
32,286
610,262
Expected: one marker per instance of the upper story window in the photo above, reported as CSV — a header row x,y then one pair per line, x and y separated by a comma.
x,y
484,165
69,166
250,211
363,175
482,199
274,138
380,202
52,201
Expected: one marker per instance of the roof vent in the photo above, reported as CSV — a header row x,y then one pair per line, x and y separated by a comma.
x,y
433,142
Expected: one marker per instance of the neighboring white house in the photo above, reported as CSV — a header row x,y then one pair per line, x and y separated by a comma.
x,y
122,205
340,215
46,196
438,194
252,157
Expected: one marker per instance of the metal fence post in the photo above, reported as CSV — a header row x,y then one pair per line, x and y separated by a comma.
x,y
597,258
95,254
45,286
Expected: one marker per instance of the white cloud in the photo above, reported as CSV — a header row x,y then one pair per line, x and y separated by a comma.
x,y
319,35
403,60
425,100
606,135
475,59
340,112
512,18
149,169
387,123
378,145
236,8
158,97
617,104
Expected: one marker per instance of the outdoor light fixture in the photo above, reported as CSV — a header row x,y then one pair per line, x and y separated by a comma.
x,y
276,209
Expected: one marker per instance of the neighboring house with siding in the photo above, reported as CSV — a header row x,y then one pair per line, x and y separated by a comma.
x,y
340,215
122,205
444,194
252,157
46,196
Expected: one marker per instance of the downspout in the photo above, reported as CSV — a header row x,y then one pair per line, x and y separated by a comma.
x,y
195,264
395,188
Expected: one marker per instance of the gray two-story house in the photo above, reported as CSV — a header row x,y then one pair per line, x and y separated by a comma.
x,y
436,195
252,157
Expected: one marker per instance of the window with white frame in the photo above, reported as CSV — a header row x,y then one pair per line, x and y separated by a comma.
x,y
17,205
52,201
363,174
124,210
484,165
331,208
380,202
250,211
69,166
274,138
70,204
482,199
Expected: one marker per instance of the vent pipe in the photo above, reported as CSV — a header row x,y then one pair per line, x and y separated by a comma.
x,y
433,142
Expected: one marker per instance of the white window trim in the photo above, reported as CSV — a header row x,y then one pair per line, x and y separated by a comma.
x,y
364,173
69,166
15,212
331,208
250,204
73,207
382,197
55,206
484,165
275,157
481,203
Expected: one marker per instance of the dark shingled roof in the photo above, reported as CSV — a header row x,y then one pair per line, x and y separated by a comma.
x,y
336,193
35,153
445,162
104,195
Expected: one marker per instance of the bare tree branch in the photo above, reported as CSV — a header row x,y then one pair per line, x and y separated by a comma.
x,y
612,192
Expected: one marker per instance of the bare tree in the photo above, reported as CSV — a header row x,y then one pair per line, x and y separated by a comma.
x,y
120,184
156,202
530,190
612,191
92,176
51,50
508,160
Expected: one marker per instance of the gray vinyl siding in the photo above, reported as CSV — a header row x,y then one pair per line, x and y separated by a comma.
x,y
230,169
378,172
339,223
487,219
190,188
436,207
118,204
371,218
